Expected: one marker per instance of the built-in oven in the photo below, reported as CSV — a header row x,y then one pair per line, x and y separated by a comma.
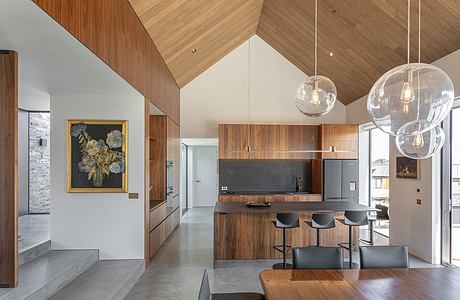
x,y
169,184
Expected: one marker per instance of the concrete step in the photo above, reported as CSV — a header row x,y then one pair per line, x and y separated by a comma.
x,y
105,280
28,255
42,277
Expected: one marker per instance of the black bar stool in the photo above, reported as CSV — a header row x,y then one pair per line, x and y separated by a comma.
x,y
321,220
371,217
352,219
285,221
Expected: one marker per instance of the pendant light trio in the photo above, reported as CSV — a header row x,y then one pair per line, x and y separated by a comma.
x,y
408,102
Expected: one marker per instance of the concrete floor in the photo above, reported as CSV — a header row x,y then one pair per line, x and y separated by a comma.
x,y
177,268
33,230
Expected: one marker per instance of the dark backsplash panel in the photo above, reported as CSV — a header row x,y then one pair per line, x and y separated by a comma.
x,y
264,175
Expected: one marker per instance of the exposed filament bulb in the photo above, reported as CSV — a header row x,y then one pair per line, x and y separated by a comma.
x,y
418,141
407,93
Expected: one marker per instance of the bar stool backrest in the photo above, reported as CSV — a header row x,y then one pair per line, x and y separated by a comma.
x,y
322,220
287,220
356,218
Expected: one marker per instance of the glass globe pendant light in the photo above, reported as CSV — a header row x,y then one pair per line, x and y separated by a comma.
x,y
412,98
421,145
316,95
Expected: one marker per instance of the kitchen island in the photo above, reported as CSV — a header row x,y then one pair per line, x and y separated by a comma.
x,y
241,232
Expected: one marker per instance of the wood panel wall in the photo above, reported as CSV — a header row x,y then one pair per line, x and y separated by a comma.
x,y
112,31
8,168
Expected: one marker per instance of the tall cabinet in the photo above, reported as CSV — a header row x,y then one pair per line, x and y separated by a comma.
x,y
164,147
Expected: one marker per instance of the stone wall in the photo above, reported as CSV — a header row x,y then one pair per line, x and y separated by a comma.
x,y
39,163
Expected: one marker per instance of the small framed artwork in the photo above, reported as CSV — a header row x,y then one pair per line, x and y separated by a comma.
x,y
97,156
407,168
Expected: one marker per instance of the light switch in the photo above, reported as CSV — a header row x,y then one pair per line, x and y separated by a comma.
x,y
133,196
419,201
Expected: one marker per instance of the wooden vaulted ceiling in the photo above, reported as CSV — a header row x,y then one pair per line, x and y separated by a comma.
x,y
366,37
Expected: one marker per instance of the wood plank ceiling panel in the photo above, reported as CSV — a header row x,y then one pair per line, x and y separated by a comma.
x,y
366,37
213,27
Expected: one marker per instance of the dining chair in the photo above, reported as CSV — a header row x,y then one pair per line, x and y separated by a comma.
x,y
205,293
384,257
312,257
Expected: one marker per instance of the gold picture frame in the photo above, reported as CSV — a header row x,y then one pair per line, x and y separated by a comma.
x,y
103,136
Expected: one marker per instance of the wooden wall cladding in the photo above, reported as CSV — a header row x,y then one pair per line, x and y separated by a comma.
x,y
253,235
112,31
9,168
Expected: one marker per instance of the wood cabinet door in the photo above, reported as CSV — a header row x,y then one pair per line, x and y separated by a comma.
x,y
342,137
301,138
233,141
268,141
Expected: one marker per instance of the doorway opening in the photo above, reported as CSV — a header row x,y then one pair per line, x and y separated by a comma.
x,y
33,178
379,183
200,173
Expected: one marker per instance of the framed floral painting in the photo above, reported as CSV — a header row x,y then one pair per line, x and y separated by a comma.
x,y
97,156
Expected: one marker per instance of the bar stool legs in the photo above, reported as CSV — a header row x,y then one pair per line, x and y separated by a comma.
x,y
350,245
284,265
317,237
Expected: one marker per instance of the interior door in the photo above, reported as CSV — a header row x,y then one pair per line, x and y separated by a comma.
x,y
205,176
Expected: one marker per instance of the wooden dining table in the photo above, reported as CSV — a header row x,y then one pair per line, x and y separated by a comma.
x,y
436,283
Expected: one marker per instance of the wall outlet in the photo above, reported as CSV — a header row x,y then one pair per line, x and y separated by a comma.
x,y
224,188
133,196
419,201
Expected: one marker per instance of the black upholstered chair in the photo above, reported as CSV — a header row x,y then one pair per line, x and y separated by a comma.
x,y
205,293
317,258
352,219
321,220
379,257
285,221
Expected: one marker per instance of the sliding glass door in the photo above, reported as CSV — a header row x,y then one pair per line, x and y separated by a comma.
x,y
379,160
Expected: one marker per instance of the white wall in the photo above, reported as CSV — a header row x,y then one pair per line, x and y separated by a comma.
x,y
109,222
220,94
417,226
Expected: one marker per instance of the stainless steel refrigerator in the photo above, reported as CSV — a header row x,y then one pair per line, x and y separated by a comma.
x,y
340,180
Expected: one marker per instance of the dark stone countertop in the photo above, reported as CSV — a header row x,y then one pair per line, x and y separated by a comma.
x,y
278,207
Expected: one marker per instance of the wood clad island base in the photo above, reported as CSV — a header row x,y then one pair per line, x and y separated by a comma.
x,y
436,283
248,233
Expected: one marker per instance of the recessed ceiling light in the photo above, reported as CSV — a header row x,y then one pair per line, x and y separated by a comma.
x,y
331,54
193,50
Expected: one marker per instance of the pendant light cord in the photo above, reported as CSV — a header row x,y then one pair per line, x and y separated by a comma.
x,y
418,71
316,36
419,27
408,31
249,81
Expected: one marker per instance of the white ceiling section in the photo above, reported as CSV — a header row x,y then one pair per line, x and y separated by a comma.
x,y
220,94
51,61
